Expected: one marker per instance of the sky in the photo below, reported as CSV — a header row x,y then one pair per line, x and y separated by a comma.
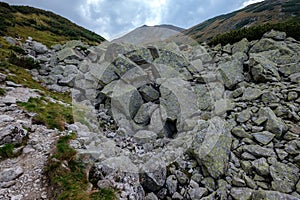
x,y
114,18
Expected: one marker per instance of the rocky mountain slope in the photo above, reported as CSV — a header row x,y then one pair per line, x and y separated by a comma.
x,y
149,34
44,26
268,11
171,121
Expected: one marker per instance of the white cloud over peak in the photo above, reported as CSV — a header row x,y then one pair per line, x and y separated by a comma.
x,y
112,18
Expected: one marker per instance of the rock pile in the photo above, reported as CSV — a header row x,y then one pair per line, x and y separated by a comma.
x,y
22,177
175,121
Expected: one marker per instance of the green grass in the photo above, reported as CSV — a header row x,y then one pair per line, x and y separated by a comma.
x,y
103,194
7,151
53,115
2,92
68,176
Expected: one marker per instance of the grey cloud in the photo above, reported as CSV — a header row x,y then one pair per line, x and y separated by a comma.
x,y
110,18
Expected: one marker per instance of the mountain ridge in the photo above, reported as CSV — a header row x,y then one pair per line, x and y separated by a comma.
x,y
268,11
44,26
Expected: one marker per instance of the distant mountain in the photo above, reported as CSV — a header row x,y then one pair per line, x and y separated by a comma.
x,y
43,26
268,11
149,34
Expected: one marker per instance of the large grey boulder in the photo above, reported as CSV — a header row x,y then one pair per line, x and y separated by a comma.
x,y
232,71
143,115
241,46
68,53
274,124
39,48
264,44
10,174
276,35
263,69
119,163
125,99
104,73
144,136
154,174
274,195
251,93
178,100
259,151
123,65
149,93
211,147
285,177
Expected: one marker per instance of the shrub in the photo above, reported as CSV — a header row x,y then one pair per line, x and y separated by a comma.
x,y
292,29
18,50
23,61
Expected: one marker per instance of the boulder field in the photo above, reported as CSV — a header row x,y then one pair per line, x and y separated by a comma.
x,y
178,121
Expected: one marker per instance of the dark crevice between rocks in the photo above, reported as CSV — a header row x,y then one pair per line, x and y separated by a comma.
x,y
154,52
100,99
170,128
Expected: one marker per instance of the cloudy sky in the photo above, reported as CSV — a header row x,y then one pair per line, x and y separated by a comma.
x,y
113,18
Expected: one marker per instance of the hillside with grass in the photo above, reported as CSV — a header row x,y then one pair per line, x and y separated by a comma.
x,y
43,26
276,14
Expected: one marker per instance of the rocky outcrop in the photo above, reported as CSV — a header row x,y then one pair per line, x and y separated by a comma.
x,y
173,121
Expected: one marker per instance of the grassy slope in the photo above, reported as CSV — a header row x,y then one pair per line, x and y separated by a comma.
x,y
43,26
268,11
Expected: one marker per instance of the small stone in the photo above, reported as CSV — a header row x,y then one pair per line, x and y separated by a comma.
x,y
262,194
263,185
264,137
243,116
292,96
251,94
9,100
247,156
197,193
241,193
144,136
177,196
12,84
259,151
298,187
246,166
238,182
281,154
2,77
6,118
240,132
259,121
290,136
181,177
171,184
261,166
151,196
274,124
104,184
258,178
10,174
250,183
149,93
